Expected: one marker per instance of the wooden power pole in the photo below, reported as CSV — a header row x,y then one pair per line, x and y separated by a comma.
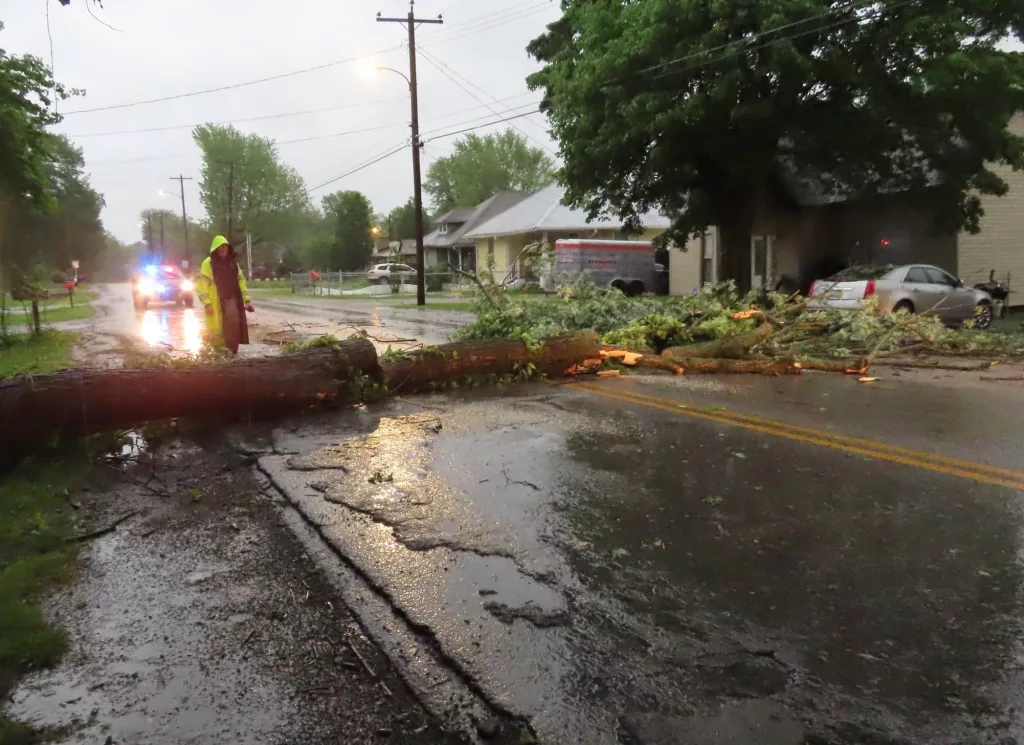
x,y
184,217
410,22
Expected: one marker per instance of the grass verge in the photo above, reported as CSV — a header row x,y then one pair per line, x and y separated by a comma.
x,y
45,353
55,310
35,557
441,305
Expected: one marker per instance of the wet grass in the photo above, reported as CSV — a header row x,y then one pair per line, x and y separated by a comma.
x,y
35,557
55,310
24,354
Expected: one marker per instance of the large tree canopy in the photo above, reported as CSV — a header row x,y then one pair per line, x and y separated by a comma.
x,y
698,107
480,167
269,198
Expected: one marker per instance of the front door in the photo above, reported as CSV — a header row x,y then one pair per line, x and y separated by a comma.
x,y
760,261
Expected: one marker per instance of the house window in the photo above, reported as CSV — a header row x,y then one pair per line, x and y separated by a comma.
x,y
443,229
490,252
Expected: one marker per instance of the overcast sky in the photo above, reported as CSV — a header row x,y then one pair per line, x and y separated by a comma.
x,y
175,47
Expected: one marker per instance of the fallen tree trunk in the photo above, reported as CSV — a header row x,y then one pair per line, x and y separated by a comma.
x,y
35,410
738,367
449,363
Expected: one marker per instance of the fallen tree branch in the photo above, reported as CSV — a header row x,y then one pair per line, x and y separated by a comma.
x,y
103,531
478,283
728,347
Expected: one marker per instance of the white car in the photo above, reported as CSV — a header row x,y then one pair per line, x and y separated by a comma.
x,y
386,273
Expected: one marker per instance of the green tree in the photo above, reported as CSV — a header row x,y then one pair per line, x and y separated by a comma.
x,y
480,167
350,217
69,227
26,91
268,198
699,108
401,222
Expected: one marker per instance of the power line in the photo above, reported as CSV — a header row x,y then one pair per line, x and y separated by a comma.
x,y
480,23
164,156
228,87
438,40
274,116
481,126
364,166
753,37
237,121
441,67
818,29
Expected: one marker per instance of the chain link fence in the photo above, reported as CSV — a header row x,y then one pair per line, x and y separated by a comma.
x,y
357,284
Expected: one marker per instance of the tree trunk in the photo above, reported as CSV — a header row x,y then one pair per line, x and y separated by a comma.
x,y
450,362
744,367
36,325
35,410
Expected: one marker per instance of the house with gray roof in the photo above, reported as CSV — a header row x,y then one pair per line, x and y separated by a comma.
x,y
449,241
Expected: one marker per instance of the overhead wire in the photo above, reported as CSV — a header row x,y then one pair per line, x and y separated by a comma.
x,y
164,156
233,86
357,169
267,117
455,77
462,31
405,146
853,5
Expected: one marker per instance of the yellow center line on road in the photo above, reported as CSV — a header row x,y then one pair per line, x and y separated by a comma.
x,y
979,472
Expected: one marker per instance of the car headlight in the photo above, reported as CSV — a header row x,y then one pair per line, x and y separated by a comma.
x,y
187,285
147,286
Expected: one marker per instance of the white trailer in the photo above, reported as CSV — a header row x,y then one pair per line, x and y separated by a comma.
x,y
625,265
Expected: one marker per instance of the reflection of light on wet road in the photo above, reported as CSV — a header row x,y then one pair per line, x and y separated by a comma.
x,y
172,330
151,331
193,332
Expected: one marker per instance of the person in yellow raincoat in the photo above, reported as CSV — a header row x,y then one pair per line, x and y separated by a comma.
x,y
223,292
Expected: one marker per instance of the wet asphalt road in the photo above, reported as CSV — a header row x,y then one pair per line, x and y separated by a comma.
x,y
177,330
609,567
683,560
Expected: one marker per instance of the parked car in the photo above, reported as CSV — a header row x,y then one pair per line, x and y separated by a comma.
x,y
913,288
386,273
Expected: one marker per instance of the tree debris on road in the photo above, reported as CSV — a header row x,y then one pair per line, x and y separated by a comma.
x,y
720,331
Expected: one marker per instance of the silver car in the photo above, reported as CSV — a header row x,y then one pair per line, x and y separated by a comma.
x,y
914,288
387,273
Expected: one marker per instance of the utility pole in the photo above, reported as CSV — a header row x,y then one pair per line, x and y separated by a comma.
x,y
149,234
162,257
184,217
410,21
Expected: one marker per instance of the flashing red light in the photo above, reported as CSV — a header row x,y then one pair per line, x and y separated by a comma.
x,y
885,242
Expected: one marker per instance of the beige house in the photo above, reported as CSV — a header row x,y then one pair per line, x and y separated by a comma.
x,y
808,234
543,218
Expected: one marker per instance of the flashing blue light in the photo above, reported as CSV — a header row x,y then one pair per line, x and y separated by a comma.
x,y
150,270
